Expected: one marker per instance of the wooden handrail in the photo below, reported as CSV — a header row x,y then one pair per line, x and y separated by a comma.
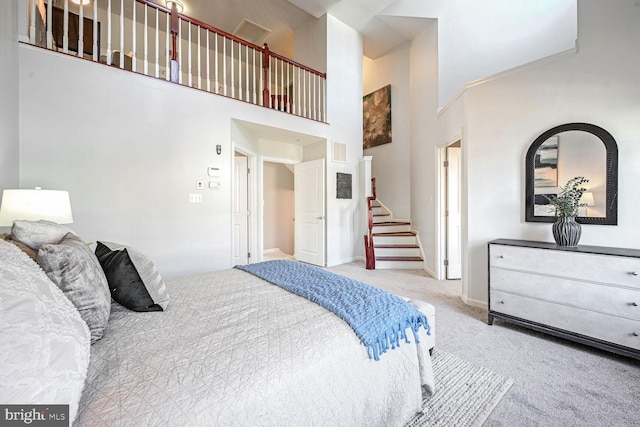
x,y
286,85
219,32
297,64
155,5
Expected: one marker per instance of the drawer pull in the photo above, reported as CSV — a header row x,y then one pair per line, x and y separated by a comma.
x,y
500,256
500,302
634,273
635,304
635,334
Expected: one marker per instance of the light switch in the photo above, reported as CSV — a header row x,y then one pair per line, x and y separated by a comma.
x,y
195,198
213,171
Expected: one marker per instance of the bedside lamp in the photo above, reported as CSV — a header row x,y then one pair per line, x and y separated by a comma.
x,y
587,198
34,205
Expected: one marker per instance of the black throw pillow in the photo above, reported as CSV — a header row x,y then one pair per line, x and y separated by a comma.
x,y
126,285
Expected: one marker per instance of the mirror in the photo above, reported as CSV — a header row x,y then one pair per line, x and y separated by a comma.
x,y
566,151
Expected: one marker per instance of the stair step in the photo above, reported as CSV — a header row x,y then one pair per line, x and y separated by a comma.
x,y
399,263
395,233
398,258
398,250
382,214
392,223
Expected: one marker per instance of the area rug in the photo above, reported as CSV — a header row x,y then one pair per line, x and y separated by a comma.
x,y
465,394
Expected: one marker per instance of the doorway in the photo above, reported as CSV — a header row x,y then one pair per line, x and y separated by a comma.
x,y
277,211
453,211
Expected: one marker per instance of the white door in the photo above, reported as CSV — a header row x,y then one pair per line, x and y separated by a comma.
x,y
454,220
240,210
309,189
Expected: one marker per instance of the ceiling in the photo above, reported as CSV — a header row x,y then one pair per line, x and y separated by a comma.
x,y
380,33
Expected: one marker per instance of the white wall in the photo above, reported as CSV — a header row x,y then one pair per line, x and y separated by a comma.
x,y
278,207
130,149
424,169
477,39
389,164
345,217
9,147
599,85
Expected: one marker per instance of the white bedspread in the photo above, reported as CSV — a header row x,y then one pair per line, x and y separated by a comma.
x,y
232,349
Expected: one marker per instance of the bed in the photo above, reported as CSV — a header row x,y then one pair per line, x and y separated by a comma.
x,y
228,348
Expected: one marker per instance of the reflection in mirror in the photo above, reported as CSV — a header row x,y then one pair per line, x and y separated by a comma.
x,y
567,151
567,155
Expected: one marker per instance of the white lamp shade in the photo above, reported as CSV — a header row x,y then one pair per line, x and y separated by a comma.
x,y
588,199
34,205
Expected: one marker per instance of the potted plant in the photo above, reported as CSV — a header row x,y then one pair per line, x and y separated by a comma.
x,y
566,231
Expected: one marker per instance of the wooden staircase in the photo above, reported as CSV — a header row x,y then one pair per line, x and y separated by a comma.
x,y
390,244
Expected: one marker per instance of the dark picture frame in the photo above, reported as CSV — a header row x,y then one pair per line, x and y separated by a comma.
x,y
343,186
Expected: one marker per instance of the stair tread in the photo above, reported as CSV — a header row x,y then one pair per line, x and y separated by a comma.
x,y
395,233
399,246
398,258
391,223
383,214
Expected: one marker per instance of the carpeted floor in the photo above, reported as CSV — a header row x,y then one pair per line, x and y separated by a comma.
x,y
556,382
465,394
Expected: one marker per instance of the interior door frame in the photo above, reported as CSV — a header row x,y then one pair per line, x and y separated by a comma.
x,y
281,161
441,206
252,225
453,192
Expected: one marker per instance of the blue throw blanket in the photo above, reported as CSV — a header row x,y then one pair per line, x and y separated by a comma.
x,y
378,318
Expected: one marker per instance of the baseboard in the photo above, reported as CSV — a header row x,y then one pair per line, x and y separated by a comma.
x,y
347,261
474,302
430,272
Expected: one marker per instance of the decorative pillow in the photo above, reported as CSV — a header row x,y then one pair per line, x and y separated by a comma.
x,y
24,248
72,266
133,279
44,349
36,233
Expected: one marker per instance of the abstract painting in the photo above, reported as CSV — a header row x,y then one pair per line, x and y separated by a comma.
x,y
376,117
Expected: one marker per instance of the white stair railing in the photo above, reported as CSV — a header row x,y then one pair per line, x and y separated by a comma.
x,y
143,37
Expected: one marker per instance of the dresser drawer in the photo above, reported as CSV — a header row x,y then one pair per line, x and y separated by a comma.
x,y
592,324
606,299
619,270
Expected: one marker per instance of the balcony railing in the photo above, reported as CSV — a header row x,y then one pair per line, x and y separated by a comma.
x,y
149,39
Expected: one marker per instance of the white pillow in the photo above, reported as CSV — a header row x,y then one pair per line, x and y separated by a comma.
x,y
44,345
36,233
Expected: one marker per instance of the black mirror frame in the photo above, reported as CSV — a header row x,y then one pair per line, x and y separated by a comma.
x,y
611,216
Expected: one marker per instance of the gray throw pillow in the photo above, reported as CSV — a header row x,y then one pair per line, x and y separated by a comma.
x,y
36,233
133,279
72,266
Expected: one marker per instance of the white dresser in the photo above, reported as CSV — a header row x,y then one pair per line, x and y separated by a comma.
x,y
589,294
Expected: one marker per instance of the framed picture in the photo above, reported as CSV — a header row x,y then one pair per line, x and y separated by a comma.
x,y
376,117
546,164
343,185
